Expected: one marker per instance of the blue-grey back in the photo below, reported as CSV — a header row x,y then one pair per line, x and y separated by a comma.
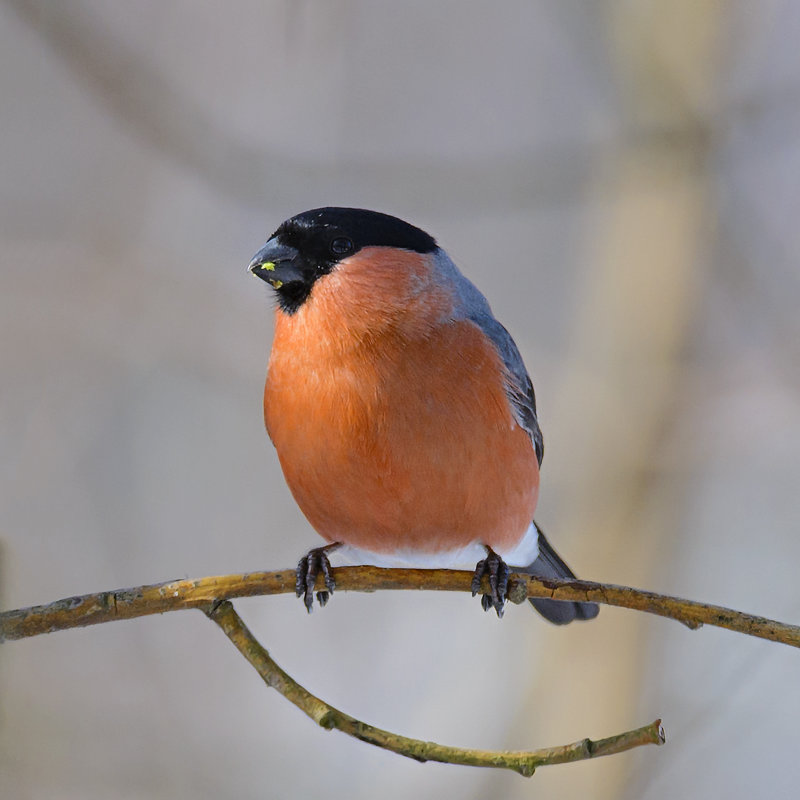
x,y
472,305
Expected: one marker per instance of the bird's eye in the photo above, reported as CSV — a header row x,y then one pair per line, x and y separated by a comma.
x,y
341,246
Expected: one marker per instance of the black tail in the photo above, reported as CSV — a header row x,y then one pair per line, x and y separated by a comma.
x,y
549,565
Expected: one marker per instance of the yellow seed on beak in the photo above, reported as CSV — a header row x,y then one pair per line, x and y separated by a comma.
x,y
276,284
268,265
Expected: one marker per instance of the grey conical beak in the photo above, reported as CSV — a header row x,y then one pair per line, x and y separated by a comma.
x,y
276,264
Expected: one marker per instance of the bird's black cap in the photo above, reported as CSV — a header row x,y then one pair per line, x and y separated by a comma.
x,y
364,228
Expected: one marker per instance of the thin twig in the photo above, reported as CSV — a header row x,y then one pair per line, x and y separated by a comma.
x,y
92,609
525,763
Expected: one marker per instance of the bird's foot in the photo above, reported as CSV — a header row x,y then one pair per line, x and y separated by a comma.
x,y
497,571
308,568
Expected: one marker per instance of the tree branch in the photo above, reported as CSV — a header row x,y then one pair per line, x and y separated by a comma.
x,y
92,609
328,717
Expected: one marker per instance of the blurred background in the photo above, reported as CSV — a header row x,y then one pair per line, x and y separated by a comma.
x,y
628,171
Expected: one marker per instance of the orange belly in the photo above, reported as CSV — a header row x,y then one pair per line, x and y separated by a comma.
x,y
393,444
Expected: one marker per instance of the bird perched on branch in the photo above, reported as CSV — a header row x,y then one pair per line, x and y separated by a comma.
x,y
402,413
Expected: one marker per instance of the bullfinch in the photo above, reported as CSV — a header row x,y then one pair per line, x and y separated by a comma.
x,y
400,408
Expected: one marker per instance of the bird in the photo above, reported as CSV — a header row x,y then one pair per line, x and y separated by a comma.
x,y
402,413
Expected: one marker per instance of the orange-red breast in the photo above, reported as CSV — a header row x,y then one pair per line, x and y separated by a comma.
x,y
402,413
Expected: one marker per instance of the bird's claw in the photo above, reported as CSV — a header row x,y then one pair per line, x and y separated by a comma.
x,y
498,572
308,568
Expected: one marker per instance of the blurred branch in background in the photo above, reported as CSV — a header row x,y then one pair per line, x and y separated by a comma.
x,y
625,369
146,103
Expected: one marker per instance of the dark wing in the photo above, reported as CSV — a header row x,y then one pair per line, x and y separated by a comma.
x,y
519,387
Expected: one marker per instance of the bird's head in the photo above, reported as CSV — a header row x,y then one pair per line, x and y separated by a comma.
x,y
309,246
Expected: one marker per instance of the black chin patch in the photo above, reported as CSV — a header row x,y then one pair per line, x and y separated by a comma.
x,y
292,295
